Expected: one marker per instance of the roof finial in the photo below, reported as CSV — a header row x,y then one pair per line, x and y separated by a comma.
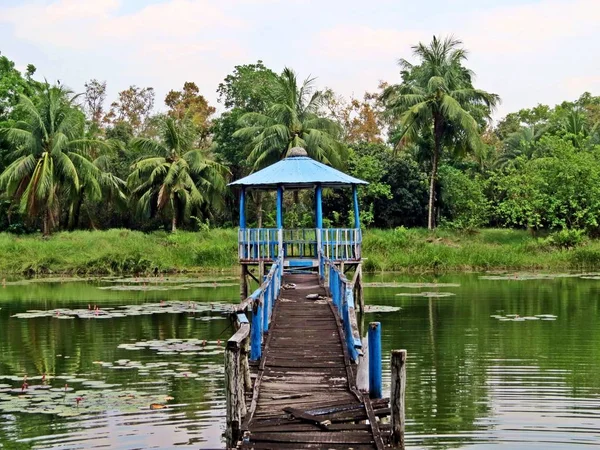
x,y
296,152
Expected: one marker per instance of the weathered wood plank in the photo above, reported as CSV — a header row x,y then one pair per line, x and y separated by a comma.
x,y
373,422
352,437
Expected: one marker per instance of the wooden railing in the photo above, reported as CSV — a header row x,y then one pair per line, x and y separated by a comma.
x,y
263,244
246,344
342,295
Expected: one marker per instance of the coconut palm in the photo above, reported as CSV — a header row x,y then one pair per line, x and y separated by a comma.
x,y
292,121
173,174
437,96
49,155
519,146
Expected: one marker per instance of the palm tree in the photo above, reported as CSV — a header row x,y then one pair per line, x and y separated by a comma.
x,y
174,175
113,189
292,121
50,155
437,96
519,145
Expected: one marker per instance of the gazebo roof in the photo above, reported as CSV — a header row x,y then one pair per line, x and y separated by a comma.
x,y
297,171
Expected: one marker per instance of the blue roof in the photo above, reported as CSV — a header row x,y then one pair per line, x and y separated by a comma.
x,y
297,172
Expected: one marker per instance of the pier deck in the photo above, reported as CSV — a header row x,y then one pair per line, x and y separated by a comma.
x,y
305,393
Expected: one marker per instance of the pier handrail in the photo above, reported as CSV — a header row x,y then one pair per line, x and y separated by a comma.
x,y
246,344
342,295
261,302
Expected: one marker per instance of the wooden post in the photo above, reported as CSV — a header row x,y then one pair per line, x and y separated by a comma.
x,y
234,385
359,288
375,376
245,365
243,282
398,388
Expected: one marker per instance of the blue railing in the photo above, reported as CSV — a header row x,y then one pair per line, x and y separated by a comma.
x,y
264,244
259,244
261,303
341,244
342,296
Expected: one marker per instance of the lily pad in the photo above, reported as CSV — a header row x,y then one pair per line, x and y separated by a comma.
x,y
381,308
426,294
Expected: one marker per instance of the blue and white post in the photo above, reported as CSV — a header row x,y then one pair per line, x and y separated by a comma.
x,y
319,226
356,213
280,216
375,377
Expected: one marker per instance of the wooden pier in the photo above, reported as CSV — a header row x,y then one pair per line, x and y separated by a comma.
x,y
305,395
291,367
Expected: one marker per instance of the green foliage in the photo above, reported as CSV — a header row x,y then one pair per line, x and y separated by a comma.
x,y
559,190
50,156
12,86
566,238
292,120
463,201
437,96
250,88
175,175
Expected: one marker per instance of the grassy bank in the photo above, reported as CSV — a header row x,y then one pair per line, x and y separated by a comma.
x,y
118,251
418,250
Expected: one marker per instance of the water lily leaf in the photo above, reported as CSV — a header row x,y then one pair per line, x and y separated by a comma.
x,y
381,308
426,294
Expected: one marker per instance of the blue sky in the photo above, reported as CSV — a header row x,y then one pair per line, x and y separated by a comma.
x,y
528,52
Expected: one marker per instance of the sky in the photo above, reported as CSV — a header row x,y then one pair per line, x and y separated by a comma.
x,y
528,52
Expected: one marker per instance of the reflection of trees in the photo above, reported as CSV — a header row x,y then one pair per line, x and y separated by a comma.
x,y
32,346
452,343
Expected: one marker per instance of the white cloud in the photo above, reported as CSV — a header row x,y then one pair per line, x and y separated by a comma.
x,y
161,44
359,42
532,27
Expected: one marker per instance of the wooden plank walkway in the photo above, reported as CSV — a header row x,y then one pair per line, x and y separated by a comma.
x,y
305,393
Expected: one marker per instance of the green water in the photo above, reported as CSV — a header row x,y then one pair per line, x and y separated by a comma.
x,y
473,381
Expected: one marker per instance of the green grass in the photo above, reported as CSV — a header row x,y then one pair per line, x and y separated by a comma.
x,y
118,251
419,250
406,250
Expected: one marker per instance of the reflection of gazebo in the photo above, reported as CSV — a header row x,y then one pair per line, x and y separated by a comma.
x,y
302,248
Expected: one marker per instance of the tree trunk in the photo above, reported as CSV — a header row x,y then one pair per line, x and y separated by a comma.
x,y
76,213
434,167
174,222
46,223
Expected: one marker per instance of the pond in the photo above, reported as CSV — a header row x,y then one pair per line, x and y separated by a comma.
x,y
137,363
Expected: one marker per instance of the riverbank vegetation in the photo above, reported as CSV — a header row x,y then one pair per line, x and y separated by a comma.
x,y
425,142
413,250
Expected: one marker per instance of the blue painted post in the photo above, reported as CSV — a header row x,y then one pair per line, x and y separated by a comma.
x,y
375,381
256,332
356,213
266,306
243,209
319,209
279,207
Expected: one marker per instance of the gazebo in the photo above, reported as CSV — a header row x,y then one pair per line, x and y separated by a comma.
x,y
300,249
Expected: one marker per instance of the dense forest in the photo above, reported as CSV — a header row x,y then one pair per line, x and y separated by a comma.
x,y
425,142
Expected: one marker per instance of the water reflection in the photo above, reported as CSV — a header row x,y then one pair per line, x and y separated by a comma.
x,y
472,380
475,380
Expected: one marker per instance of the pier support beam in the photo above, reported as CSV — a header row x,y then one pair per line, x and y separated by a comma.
x,y
398,388
375,375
